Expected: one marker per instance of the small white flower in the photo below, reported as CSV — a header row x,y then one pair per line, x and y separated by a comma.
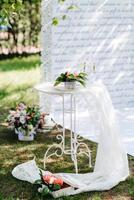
x,y
22,119
17,114
40,190
12,112
11,118
23,112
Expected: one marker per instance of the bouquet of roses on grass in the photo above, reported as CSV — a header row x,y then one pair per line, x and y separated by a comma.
x,y
25,118
48,183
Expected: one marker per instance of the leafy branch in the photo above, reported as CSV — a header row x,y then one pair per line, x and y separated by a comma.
x,y
56,20
9,9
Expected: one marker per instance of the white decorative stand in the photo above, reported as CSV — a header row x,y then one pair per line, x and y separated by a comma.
x,y
76,143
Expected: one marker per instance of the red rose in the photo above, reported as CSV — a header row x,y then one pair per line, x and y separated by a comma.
x,y
58,181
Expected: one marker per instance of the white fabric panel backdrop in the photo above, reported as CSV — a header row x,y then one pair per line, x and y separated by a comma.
x,y
99,32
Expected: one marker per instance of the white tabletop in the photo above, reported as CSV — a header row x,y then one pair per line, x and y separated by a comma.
x,y
48,88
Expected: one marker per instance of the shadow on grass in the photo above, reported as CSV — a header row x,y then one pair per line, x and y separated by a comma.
x,y
14,55
14,189
3,93
20,63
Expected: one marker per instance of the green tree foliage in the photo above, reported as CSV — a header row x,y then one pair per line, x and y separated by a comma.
x,y
22,17
23,21
9,8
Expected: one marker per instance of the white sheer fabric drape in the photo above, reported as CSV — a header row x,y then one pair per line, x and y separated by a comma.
x,y
111,164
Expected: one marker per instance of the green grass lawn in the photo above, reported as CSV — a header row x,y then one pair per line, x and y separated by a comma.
x,y
17,77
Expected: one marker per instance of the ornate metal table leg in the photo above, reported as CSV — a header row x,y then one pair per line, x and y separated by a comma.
x,y
87,152
75,142
63,116
56,152
73,132
61,146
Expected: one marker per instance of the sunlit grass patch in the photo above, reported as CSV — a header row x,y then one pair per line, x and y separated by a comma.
x,y
17,85
20,63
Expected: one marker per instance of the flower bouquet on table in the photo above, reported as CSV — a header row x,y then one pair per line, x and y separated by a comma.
x,y
69,79
50,184
25,120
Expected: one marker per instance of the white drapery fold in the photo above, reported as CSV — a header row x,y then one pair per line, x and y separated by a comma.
x,y
111,164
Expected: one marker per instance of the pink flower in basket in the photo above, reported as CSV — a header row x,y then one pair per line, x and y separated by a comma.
x,y
51,179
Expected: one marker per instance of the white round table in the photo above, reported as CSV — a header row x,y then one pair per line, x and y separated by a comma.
x,y
48,88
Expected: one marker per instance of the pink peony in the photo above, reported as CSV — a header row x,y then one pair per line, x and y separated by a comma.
x,y
49,179
68,73
76,74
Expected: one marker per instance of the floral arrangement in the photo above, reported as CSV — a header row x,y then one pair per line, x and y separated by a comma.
x,y
48,184
25,119
71,77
